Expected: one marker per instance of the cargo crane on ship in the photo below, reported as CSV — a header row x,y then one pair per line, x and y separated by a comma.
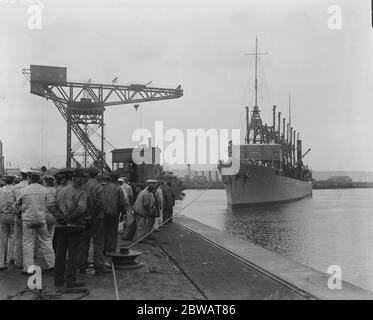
x,y
82,105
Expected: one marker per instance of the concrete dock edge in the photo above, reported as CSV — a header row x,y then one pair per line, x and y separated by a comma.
x,y
306,279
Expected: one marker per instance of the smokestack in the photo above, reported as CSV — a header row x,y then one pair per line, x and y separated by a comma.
x,y
247,125
299,149
274,123
283,128
287,133
149,142
291,145
294,146
279,125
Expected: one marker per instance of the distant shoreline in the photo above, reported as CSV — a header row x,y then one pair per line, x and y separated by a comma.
x,y
350,185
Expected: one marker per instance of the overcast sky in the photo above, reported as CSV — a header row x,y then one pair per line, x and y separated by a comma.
x,y
200,45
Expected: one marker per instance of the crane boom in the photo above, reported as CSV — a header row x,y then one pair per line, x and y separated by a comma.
x,y
83,105
305,153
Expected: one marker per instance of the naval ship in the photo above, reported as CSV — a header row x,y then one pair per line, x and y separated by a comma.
x,y
271,168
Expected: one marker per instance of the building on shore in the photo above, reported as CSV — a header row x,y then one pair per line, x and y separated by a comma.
x,y
335,182
203,179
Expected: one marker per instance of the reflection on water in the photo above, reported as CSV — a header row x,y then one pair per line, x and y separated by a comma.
x,y
334,227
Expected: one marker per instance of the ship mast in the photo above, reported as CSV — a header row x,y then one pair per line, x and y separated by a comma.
x,y
256,72
255,123
289,110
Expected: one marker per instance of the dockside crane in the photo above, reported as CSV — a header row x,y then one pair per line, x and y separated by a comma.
x,y
82,105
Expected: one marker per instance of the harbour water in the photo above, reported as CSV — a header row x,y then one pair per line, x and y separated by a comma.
x,y
333,227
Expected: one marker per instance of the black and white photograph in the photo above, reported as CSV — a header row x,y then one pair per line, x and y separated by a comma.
x,y
186,155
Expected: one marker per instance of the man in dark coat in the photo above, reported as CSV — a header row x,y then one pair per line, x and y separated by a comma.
x,y
170,197
94,227
114,206
70,224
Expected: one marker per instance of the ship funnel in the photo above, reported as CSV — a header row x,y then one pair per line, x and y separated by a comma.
x,y
279,126
299,149
274,123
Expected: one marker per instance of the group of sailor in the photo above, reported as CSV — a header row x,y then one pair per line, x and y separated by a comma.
x,y
51,221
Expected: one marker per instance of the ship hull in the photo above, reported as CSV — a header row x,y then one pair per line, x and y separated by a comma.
x,y
258,185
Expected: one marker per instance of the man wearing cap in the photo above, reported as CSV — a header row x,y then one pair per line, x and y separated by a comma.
x,y
18,222
72,205
169,202
60,181
8,210
94,228
159,197
33,201
128,213
145,210
114,206
48,183
129,224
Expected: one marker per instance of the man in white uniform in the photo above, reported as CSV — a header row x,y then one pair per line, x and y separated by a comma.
x,y
33,201
18,222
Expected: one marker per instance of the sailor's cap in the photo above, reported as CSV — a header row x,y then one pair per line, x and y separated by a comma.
x,y
79,173
114,176
93,171
151,181
33,173
64,171
103,177
9,176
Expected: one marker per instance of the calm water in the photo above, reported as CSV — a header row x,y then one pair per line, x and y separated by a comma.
x,y
334,227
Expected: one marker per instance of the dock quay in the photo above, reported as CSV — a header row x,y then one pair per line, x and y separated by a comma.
x,y
188,260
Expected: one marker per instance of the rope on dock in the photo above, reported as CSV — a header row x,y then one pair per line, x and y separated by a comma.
x,y
42,294
115,282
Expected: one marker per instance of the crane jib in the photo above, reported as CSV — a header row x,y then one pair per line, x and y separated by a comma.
x,y
83,105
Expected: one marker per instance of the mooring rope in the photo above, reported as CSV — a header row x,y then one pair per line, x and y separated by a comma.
x,y
42,294
115,282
